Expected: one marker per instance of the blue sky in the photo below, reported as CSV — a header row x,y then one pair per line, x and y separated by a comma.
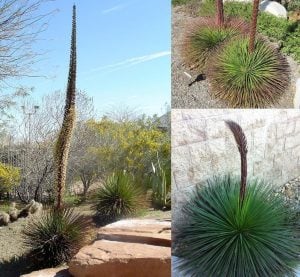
x,y
123,49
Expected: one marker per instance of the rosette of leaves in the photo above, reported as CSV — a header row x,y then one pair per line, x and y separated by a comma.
x,y
205,36
248,79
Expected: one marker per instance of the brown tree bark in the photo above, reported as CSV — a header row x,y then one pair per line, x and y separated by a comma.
x,y
64,139
253,27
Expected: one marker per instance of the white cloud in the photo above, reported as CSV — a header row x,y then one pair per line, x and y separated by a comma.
x,y
130,62
113,9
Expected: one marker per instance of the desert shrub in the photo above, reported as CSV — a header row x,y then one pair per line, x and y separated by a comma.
x,y
275,28
181,2
9,178
117,198
247,79
267,24
160,180
55,236
72,200
204,38
293,5
4,206
292,42
223,237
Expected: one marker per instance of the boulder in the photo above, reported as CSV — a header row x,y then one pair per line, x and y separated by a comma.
x,y
127,248
49,272
274,8
147,231
121,259
13,212
36,208
4,219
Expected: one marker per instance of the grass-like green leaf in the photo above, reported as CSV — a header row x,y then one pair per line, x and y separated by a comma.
x,y
204,37
246,79
117,198
222,237
55,236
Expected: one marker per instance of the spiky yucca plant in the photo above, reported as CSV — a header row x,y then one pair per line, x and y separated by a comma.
x,y
62,146
221,237
55,236
204,37
237,228
117,198
248,79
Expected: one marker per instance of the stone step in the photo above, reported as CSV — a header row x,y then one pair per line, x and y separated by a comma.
x,y
152,232
121,259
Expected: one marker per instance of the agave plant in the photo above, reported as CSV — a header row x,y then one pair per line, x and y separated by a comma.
x,y
234,227
117,198
161,185
248,79
55,236
205,36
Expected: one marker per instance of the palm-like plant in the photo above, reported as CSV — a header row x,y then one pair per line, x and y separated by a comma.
x,y
237,228
55,236
117,198
64,139
245,79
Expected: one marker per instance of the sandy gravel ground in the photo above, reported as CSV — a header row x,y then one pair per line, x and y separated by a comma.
x,y
198,95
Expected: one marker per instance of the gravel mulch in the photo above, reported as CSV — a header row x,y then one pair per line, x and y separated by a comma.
x,y
198,95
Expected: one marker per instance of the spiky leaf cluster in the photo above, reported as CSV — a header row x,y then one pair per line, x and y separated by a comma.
x,y
248,79
55,236
221,237
117,198
204,37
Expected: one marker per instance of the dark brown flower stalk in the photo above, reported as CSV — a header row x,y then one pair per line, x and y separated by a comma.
x,y
220,12
64,139
241,142
253,27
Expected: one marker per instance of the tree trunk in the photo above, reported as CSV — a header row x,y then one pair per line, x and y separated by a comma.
x,y
220,12
253,25
64,139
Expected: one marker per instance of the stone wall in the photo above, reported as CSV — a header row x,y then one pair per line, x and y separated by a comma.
x,y
202,146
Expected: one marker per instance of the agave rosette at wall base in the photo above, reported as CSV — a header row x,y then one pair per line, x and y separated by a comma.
x,y
221,237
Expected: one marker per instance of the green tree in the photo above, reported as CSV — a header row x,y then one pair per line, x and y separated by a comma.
x,y
130,146
9,178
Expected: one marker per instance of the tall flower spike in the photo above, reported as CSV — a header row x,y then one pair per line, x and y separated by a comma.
x,y
241,142
220,12
62,146
255,11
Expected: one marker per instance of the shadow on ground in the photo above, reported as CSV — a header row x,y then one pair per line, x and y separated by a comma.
x,y
15,267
